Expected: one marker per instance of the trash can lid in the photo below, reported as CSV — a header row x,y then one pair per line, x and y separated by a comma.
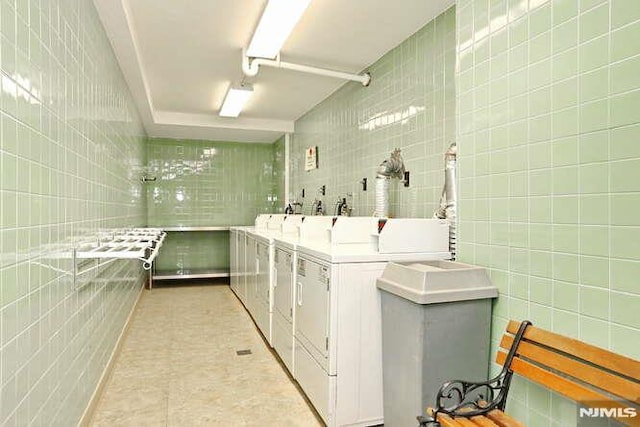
x,y
432,282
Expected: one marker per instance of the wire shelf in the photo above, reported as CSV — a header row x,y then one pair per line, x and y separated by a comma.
x,y
137,243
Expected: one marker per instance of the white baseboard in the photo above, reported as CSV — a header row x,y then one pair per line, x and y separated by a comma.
x,y
106,374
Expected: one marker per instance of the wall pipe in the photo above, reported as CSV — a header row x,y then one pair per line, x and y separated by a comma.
x,y
251,67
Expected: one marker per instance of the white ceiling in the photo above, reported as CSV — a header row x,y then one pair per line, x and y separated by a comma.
x,y
179,57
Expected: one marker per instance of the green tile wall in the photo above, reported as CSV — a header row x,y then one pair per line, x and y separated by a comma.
x,y
207,183
410,104
278,195
201,183
71,151
548,101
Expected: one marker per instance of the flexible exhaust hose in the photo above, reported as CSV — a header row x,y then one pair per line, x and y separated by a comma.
x,y
448,200
393,167
382,196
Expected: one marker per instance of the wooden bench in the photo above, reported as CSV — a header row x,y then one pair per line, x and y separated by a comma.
x,y
593,377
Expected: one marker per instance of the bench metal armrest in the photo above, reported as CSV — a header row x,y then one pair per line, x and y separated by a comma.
x,y
426,421
467,399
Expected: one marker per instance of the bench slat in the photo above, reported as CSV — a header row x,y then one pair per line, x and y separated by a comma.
x,y
503,420
587,373
447,421
590,353
484,422
479,421
565,387
465,422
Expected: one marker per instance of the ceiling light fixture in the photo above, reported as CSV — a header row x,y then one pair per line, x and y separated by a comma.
x,y
277,21
234,100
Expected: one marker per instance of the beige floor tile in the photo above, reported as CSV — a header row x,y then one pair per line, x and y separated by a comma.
x,y
179,367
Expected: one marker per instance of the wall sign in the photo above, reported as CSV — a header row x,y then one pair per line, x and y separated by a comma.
x,y
311,158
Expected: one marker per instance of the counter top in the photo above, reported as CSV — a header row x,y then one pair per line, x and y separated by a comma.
x,y
196,228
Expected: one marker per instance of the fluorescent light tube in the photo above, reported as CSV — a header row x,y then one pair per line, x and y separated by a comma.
x,y
234,100
278,20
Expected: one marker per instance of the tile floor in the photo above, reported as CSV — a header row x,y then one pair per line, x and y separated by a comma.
x,y
178,367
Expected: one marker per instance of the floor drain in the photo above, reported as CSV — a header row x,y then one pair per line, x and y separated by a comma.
x,y
243,352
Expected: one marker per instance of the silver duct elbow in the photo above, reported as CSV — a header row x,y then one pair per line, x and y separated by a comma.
x,y
393,167
448,200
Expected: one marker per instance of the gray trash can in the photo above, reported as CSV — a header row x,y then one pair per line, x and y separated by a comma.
x,y
436,324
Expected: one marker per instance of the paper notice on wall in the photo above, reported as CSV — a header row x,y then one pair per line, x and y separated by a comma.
x,y
311,158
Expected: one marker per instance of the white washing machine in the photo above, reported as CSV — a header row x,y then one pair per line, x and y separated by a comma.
x,y
242,257
238,261
261,222
294,230
250,271
261,286
337,339
262,304
243,269
282,333
233,259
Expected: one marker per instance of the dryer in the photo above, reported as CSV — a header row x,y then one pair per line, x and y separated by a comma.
x,y
242,246
295,229
238,261
337,339
233,259
260,288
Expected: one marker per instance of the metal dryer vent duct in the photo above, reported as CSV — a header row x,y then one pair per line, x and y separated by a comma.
x,y
393,167
449,197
